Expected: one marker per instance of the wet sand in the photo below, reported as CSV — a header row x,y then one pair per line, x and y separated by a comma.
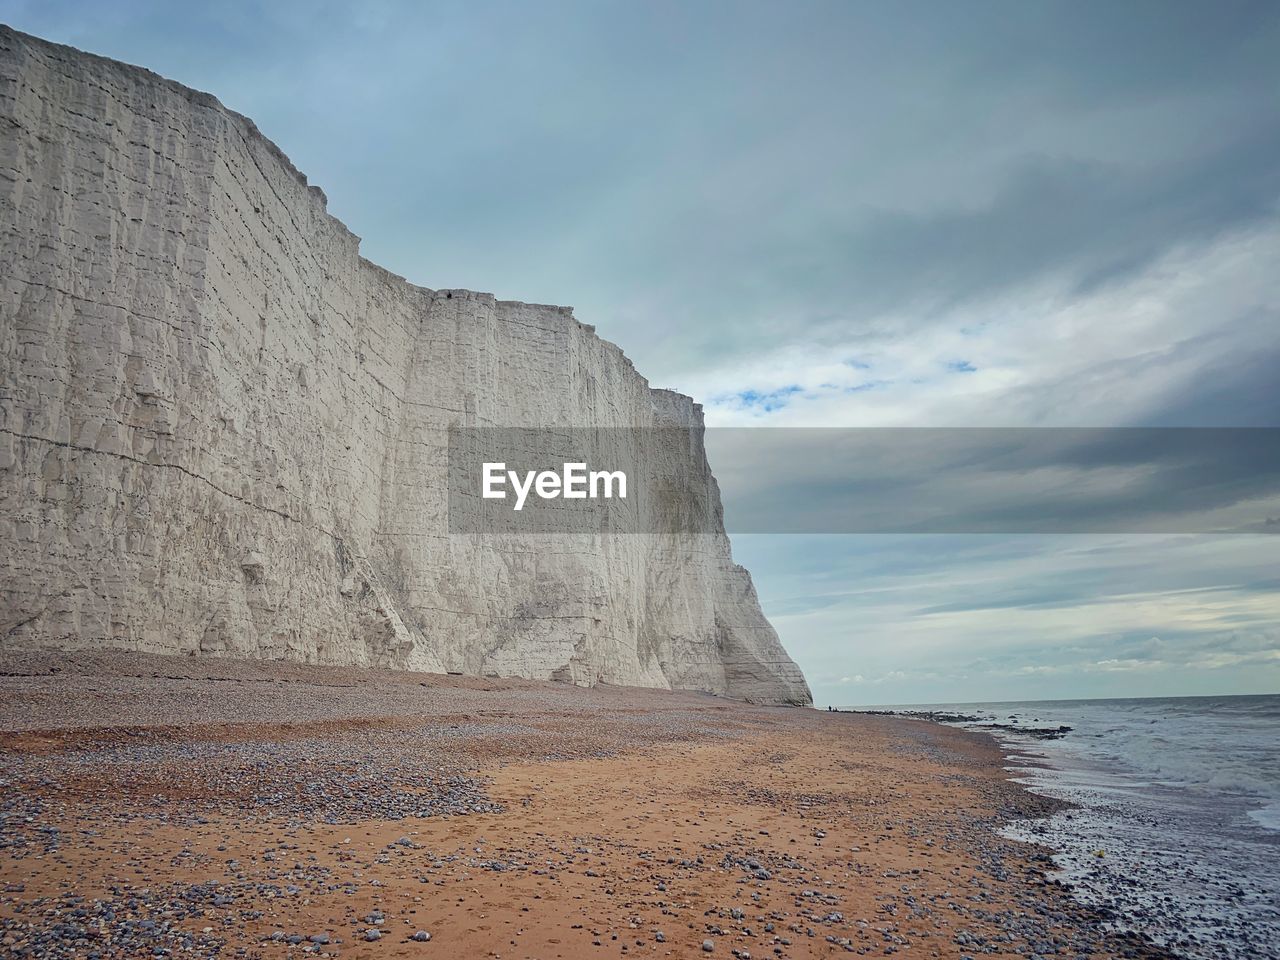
x,y
216,808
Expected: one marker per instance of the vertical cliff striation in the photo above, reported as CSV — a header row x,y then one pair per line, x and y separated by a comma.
x,y
223,432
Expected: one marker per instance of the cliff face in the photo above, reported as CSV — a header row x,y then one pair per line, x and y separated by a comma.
x,y
223,433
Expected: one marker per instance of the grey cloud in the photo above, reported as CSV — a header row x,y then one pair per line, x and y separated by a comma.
x,y
1078,590
1004,480
1088,221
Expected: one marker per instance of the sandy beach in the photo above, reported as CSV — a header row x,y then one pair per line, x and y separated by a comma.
x,y
167,806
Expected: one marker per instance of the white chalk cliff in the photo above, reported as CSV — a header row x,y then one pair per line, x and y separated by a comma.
x,y
223,432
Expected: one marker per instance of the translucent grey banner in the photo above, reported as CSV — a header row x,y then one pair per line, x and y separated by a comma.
x,y
874,480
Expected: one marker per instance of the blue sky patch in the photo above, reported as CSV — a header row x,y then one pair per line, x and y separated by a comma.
x,y
770,401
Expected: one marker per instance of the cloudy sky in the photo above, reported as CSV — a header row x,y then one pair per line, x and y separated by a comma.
x,y
845,214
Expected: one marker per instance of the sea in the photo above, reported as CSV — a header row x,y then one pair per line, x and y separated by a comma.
x,y
1175,823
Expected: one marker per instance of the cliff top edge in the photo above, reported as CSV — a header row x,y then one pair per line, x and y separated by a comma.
x,y
11,35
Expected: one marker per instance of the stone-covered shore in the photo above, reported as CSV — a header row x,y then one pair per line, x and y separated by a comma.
x,y
157,807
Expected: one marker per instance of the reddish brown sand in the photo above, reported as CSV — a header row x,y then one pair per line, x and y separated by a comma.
x,y
773,832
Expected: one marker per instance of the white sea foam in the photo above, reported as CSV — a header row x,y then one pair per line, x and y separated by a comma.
x,y
1268,816
1181,795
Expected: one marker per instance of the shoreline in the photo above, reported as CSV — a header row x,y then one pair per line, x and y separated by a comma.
x,y
221,808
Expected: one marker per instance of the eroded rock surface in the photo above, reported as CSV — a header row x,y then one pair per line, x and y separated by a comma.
x,y
223,432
